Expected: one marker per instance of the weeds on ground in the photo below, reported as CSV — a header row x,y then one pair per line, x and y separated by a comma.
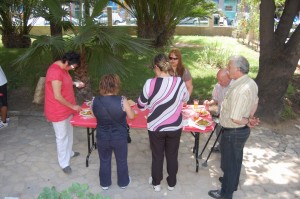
x,y
288,112
80,191
214,55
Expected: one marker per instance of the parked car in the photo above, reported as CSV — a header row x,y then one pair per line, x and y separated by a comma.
x,y
190,20
73,20
193,21
103,19
131,20
40,21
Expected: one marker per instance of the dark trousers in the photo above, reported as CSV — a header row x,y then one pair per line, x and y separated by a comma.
x,y
3,97
105,149
232,145
218,129
166,142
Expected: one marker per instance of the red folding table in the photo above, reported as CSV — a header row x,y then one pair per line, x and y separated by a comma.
x,y
140,121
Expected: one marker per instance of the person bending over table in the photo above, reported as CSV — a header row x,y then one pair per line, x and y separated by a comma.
x,y
180,70
218,95
60,105
163,95
237,115
110,110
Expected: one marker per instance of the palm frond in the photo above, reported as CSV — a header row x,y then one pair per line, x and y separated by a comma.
x,y
98,7
42,45
105,47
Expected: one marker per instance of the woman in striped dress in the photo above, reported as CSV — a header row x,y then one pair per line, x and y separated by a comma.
x,y
163,96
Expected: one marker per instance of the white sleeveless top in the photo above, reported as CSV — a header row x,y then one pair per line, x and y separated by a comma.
x,y
3,79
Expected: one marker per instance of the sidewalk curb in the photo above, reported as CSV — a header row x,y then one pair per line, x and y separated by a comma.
x,y
26,113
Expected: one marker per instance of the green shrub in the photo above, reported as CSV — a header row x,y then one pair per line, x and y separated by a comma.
x,y
214,55
80,191
288,112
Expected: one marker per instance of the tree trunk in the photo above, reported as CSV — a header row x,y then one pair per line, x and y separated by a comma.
x,y
15,40
81,74
86,9
156,31
273,82
55,30
278,58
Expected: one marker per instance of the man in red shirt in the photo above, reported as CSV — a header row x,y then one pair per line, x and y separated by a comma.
x,y
60,105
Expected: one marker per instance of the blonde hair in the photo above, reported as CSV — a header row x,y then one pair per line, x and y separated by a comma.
x,y
162,62
109,84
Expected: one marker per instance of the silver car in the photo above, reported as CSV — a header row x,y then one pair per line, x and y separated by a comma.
x,y
193,21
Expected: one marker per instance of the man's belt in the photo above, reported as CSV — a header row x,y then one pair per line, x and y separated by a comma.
x,y
240,128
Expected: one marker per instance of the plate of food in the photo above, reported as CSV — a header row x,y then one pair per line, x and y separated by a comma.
x,y
131,102
86,113
202,112
89,103
203,122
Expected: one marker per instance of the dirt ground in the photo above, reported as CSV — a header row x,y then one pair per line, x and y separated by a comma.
x,y
21,100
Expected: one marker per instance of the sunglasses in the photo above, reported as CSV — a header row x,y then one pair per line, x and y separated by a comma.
x,y
173,58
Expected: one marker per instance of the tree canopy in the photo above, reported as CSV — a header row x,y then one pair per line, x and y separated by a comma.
x,y
157,20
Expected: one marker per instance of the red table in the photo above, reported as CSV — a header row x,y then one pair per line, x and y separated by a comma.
x,y
140,121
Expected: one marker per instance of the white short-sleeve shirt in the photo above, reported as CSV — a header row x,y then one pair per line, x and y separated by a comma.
x,y
3,79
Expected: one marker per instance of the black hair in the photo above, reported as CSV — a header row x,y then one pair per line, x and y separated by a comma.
x,y
72,58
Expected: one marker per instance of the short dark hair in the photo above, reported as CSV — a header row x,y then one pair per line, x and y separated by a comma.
x,y
72,58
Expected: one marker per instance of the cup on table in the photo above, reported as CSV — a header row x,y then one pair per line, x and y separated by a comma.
x,y
135,113
196,103
196,116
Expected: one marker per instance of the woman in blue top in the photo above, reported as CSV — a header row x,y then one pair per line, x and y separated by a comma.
x,y
163,96
111,110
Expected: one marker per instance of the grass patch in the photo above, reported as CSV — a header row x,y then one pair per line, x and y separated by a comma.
x,y
201,55
288,112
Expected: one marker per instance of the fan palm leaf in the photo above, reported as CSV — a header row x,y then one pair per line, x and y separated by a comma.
x,y
157,20
42,45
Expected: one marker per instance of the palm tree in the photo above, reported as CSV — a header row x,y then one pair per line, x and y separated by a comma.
x,y
102,49
14,16
52,11
157,20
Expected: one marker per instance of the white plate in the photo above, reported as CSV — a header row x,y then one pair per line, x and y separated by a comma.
x,y
203,122
202,112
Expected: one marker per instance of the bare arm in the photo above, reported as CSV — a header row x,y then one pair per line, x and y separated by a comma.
x,y
251,121
210,102
56,85
79,84
244,121
253,110
128,109
189,86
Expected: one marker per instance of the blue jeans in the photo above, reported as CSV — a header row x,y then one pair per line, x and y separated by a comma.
x,y
232,145
105,149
